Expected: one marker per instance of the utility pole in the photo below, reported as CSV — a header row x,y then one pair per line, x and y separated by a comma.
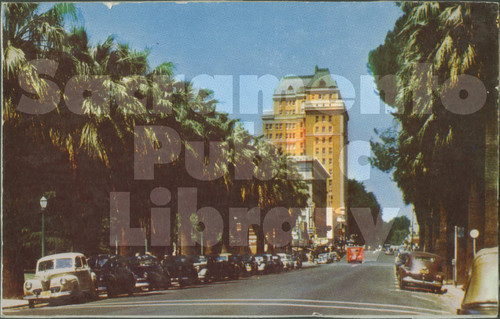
x,y
411,232
455,258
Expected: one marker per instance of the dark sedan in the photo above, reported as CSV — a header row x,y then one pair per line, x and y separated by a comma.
x,y
112,274
148,272
422,270
181,270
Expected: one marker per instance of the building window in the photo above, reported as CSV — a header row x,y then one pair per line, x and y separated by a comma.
x,y
329,119
301,145
323,118
317,140
329,129
317,129
323,161
324,150
330,161
277,125
323,129
331,171
317,151
300,124
330,140
301,134
330,150
324,140
317,118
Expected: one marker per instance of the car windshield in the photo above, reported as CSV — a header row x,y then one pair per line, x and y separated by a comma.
x,y
200,259
222,258
46,265
64,263
100,262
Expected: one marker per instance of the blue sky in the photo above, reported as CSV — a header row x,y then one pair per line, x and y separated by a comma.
x,y
231,40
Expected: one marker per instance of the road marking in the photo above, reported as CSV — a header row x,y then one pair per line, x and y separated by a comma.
x,y
257,301
423,298
168,304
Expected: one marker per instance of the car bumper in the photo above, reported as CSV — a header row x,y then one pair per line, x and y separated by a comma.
x,y
52,295
422,283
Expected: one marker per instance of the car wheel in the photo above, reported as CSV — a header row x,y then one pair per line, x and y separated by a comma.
x,y
401,284
75,294
31,303
110,292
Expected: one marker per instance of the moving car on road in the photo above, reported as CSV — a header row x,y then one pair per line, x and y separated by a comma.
x,y
422,270
59,276
355,254
113,275
481,290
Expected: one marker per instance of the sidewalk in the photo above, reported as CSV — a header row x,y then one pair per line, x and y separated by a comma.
x,y
13,303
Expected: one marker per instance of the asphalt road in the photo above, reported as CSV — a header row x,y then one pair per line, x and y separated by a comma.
x,y
339,289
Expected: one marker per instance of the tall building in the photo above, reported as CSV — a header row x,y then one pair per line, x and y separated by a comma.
x,y
309,119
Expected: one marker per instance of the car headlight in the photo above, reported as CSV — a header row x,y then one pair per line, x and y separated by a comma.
x,y
63,281
28,285
438,277
145,274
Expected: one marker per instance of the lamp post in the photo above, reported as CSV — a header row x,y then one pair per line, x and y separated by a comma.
x,y
43,205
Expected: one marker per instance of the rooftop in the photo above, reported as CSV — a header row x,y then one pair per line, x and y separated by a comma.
x,y
298,84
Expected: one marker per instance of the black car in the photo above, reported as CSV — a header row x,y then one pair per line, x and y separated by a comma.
x,y
264,265
206,268
149,272
112,274
277,263
230,266
249,264
181,270
423,270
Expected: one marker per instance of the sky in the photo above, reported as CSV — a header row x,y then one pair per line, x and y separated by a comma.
x,y
228,46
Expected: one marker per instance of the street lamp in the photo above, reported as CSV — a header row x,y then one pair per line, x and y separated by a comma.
x,y
43,205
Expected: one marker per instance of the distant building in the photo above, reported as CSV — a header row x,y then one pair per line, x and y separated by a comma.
x,y
311,223
309,119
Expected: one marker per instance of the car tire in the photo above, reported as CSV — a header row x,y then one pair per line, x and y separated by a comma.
x,y
75,294
31,303
401,284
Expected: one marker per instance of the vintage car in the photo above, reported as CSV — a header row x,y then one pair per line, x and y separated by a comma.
x,y
297,262
324,258
422,270
399,261
355,254
231,266
113,275
58,276
481,290
250,265
277,263
205,266
181,270
263,264
148,272
389,251
287,261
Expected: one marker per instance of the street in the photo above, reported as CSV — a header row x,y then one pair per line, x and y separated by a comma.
x,y
338,289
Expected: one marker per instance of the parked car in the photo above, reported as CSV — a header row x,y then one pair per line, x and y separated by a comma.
x,y
297,262
181,270
287,261
277,263
60,276
324,258
231,266
399,261
264,266
422,270
481,290
250,265
148,272
113,275
206,268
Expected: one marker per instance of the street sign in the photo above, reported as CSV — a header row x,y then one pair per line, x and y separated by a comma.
x,y
474,233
